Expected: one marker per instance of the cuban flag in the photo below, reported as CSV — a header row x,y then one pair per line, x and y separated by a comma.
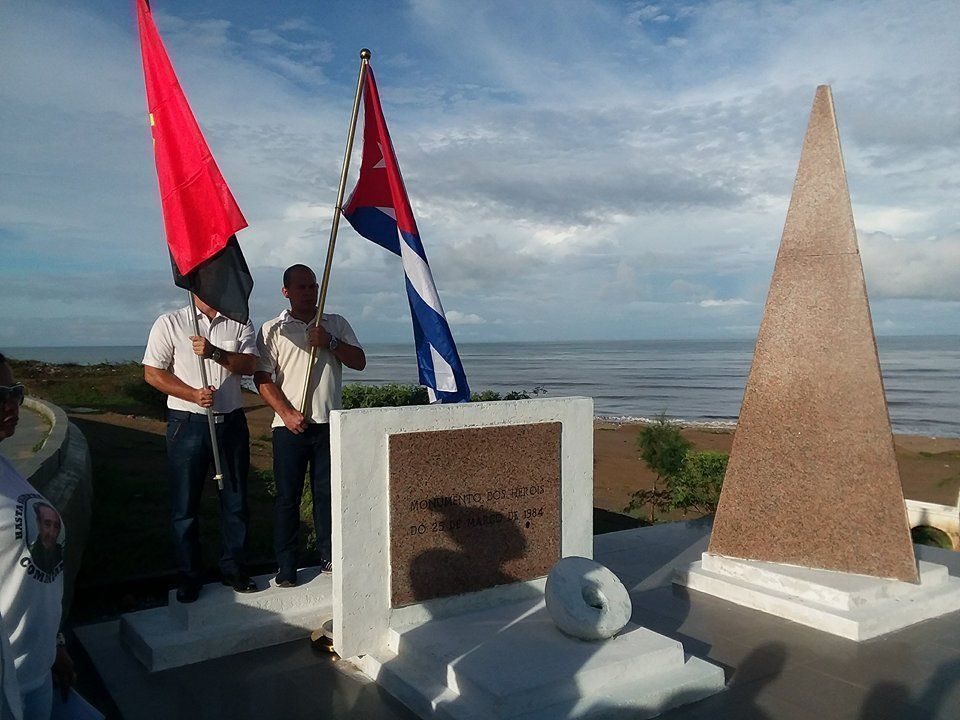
x,y
379,210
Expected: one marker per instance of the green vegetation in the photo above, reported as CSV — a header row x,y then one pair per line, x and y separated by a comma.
x,y
663,449
116,387
697,485
492,395
356,395
691,481
48,426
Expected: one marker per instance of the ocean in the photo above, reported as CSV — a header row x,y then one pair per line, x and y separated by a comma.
x,y
693,381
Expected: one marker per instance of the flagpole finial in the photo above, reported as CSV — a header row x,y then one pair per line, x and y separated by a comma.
x,y
364,54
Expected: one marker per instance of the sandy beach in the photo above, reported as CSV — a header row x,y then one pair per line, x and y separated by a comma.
x,y
929,467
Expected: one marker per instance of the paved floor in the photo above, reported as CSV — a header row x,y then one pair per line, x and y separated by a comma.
x,y
774,669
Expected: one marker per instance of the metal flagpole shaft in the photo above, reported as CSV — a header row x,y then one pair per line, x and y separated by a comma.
x,y
218,476
337,211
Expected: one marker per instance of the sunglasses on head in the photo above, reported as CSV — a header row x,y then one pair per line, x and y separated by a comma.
x,y
12,392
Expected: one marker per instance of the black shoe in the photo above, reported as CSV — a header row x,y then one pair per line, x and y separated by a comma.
x,y
326,566
287,578
188,591
240,582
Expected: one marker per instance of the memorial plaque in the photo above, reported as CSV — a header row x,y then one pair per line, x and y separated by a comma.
x,y
472,508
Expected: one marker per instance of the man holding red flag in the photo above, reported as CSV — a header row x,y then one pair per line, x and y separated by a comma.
x,y
205,416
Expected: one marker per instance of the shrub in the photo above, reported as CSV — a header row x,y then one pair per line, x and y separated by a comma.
x,y
697,485
485,396
663,449
356,395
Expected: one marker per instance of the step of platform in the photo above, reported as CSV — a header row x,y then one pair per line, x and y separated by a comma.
x,y
223,622
845,591
513,662
876,606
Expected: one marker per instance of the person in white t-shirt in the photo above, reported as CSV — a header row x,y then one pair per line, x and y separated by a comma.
x,y
229,351
301,441
32,654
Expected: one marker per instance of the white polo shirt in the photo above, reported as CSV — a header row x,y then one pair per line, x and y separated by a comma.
x,y
169,348
285,354
30,593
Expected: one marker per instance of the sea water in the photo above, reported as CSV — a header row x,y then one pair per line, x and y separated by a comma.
x,y
695,381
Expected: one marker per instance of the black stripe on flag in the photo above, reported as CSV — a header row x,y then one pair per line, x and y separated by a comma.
x,y
223,282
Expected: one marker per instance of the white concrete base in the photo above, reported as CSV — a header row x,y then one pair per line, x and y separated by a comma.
x,y
223,622
513,662
857,607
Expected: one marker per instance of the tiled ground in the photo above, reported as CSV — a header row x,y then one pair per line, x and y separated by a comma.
x,y
774,669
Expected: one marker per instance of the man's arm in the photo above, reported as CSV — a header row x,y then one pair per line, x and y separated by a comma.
x,y
292,418
237,363
350,355
169,384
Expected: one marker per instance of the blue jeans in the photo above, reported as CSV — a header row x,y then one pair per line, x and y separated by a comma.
x,y
292,455
189,458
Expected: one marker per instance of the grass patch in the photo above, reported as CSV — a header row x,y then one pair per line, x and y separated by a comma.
x,y
48,427
116,387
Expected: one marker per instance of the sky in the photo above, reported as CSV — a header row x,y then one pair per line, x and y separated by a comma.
x,y
578,170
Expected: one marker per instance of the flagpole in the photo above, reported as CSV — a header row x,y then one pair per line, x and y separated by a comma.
x,y
337,211
218,473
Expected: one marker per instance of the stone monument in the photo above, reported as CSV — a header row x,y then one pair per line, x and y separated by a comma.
x,y
447,520
812,480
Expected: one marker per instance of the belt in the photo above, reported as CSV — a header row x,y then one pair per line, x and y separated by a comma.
x,y
186,416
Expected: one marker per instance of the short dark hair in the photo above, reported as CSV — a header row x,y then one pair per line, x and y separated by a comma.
x,y
3,359
294,268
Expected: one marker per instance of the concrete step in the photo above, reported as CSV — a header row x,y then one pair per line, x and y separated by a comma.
x,y
512,662
223,622
907,605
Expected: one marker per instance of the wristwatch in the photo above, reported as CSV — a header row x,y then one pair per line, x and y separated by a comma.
x,y
216,355
334,343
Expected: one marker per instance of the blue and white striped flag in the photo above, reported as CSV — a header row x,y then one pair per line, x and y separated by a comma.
x,y
379,210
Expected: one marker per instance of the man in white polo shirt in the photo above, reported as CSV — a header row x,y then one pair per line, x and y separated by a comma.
x,y
302,441
33,656
229,351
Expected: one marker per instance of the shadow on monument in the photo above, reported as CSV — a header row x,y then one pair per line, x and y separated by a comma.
x,y
440,571
436,572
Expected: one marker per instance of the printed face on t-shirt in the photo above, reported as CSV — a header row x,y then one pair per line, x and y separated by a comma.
x,y
49,525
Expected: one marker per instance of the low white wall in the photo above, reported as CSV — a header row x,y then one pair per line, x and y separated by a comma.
x,y
359,453
945,518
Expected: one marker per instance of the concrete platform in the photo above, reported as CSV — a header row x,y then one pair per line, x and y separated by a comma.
x,y
857,607
774,668
223,622
512,662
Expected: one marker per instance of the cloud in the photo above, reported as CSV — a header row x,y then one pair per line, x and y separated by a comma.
x,y
455,317
583,170
921,269
730,302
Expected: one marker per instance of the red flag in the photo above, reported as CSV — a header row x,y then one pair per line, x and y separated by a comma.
x,y
199,212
